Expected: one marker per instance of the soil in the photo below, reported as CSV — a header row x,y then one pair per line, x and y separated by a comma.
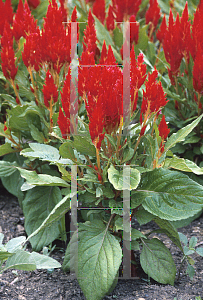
x,y
43,285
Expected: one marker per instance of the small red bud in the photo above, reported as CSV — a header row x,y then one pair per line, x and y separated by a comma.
x,y
99,177
95,167
5,127
32,90
17,100
17,86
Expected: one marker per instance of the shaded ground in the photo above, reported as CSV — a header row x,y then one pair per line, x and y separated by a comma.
x,y
41,285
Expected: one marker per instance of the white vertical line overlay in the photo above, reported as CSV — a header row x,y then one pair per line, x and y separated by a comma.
x,y
74,80
73,223
126,76
126,224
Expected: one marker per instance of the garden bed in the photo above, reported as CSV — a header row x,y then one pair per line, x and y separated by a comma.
x,y
42,285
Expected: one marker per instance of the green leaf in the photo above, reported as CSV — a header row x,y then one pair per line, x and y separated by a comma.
x,y
99,258
157,262
169,195
136,234
21,260
36,134
15,244
41,151
42,179
118,37
83,146
123,183
61,208
6,148
182,164
181,134
13,185
37,207
199,251
66,150
186,222
142,215
44,261
168,228
192,242
183,238
4,255
190,271
7,168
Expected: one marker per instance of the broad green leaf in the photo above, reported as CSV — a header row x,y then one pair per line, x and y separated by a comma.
x,y
15,244
192,242
199,251
13,185
61,208
36,134
181,134
186,222
157,262
183,238
41,151
190,271
21,260
7,168
169,195
44,261
42,179
66,150
37,207
123,183
182,164
4,255
6,148
136,234
168,228
99,258
83,146
142,215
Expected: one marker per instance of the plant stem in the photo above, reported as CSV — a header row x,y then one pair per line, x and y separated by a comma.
x,y
119,136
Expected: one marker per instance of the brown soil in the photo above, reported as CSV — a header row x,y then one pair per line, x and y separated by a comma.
x,y
41,285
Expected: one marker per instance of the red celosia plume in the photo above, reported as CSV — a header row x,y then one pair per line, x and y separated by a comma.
x,y
49,91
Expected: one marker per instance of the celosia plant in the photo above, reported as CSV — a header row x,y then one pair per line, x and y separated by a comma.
x,y
87,128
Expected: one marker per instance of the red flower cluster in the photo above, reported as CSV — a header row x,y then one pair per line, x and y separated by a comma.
x,y
110,19
177,41
153,15
24,23
138,75
31,53
49,91
7,53
33,3
154,97
102,93
134,32
6,14
162,30
99,10
124,9
163,132
64,120
90,37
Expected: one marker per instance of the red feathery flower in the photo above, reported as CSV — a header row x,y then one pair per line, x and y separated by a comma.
x,y
163,128
173,46
153,14
49,90
198,71
7,53
55,40
24,23
6,14
65,95
64,124
124,9
138,75
185,27
134,33
32,50
99,10
110,20
154,97
33,3
90,37
162,30
197,32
